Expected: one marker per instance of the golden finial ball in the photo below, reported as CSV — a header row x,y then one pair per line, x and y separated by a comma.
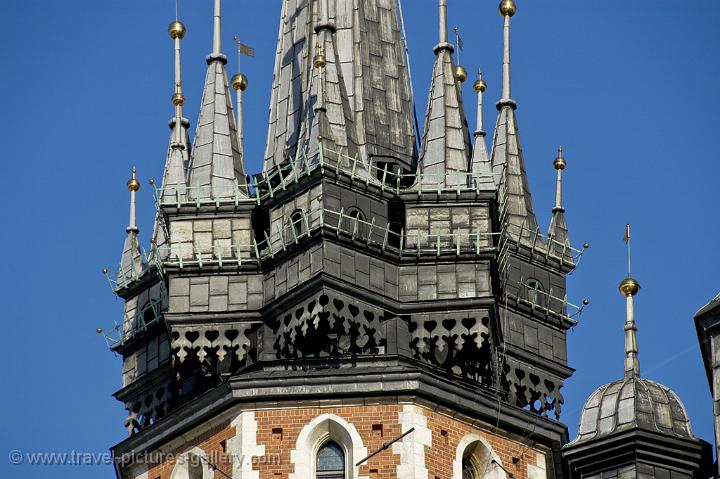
x,y
559,163
319,61
629,287
133,185
99,330
586,245
460,73
178,99
151,181
507,8
240,82
176,30
480,86
105,271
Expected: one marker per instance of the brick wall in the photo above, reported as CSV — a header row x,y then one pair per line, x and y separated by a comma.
x,y
278,431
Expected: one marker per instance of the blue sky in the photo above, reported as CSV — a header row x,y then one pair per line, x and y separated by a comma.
x,y
629,88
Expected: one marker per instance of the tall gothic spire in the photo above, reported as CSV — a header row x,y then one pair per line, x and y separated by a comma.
x,y
558,231
131,262
216,164
445,148
629,288
480,167
507,157
366,80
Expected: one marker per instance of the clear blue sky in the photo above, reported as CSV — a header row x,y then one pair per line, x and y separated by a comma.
x,y
629,88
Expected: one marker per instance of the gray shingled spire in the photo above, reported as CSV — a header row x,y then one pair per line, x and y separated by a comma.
x,y
558,231
131,261
507,157
215,163
365,69
330,117
445,148
480,166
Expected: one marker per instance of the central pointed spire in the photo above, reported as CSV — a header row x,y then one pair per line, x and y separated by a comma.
x,y
216,166
446,147
366,80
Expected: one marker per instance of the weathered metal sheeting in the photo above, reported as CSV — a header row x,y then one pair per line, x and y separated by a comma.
x,y
446,150
216,163
633,403
369,50
508,163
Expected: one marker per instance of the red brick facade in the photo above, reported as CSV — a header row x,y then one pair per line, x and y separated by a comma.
x,y
278,431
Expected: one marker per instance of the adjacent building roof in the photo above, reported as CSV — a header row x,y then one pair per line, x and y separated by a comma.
x,y
633,403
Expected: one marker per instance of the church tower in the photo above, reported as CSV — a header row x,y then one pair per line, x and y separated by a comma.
x,y
375,303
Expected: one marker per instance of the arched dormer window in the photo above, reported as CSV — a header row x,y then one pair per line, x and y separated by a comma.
x,y
297,223
535,292
330,462
357,225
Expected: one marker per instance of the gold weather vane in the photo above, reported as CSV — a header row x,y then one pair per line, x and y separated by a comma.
x,y
243,49
460,72
626,237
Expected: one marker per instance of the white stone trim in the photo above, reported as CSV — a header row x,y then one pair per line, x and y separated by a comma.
x,y
243,447
412,448
183,463
324,428
139,472
539,469
491,471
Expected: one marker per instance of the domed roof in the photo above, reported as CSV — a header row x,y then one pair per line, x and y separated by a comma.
x,y
633,403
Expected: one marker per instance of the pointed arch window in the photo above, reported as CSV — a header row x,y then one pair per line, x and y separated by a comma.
x,y
330,462
535,292
468,469
297,219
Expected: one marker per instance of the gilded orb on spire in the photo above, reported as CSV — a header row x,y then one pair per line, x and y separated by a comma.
x,y
176,30
178,99
480,86
507,8
460,73
560,162
133,184
629,287
240,82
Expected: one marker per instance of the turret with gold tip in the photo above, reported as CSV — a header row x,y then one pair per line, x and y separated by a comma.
x,y
174,187
558,231
480,167
131,262
507,157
